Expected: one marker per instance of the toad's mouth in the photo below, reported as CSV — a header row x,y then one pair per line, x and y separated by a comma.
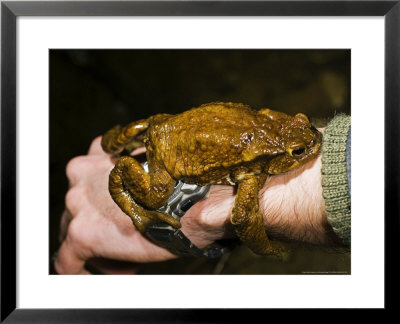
x,y
315,146
314,150
311,152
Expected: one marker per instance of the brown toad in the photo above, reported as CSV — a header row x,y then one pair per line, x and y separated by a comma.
x,y
216,143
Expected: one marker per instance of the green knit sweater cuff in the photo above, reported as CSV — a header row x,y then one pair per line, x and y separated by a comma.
x,y
335,186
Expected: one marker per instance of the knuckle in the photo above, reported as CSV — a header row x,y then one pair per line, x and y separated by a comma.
x,y
201,214
95,146
74,197
203,220
77,235
206,220
74,168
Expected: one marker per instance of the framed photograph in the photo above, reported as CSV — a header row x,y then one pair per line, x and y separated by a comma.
x,y
72,70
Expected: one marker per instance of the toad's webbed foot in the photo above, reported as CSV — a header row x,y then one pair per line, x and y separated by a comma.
x,y
132,188
248,221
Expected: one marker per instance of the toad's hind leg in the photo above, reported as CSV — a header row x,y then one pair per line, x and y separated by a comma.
x,y
129,137
248,221
118,138
132,187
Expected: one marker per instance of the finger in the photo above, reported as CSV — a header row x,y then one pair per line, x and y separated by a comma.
x,y
68,262
66,218
95,147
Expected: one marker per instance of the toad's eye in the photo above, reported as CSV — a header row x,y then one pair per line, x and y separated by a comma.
x,y
297,152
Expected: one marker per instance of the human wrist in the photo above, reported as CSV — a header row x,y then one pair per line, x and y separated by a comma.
x,y
293,207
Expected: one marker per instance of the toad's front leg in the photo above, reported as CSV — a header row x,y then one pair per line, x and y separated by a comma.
x,y
139,193
248,220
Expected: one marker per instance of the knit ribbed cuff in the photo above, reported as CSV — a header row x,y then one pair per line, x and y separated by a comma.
x,y
335,185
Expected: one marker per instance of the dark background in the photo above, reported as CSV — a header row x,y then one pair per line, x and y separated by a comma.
x,y
92,90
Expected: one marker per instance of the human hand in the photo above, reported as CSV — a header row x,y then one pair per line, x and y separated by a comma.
x,y
93,226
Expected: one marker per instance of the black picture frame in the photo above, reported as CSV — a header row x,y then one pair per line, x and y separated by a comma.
x,y
10,10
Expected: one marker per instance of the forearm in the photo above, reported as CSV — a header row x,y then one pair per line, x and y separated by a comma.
x,y
292,206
